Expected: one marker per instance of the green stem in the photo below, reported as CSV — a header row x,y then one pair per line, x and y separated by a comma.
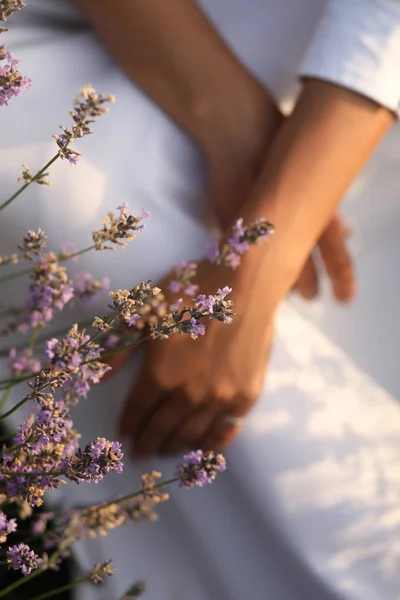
x,y
4,383
14,408
33,339
63,588
26,185
18,274
129,496
19,582
35,573
5,397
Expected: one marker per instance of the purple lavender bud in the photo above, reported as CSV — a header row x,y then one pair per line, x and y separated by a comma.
x,y
7,526
174,286
196,328
21,558
200,468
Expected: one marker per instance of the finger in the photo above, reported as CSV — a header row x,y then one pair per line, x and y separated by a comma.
x,y
225,426
337,259
307,283
189,431
160,422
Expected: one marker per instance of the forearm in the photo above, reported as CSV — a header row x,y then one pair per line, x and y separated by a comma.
x,y
175,55
316,155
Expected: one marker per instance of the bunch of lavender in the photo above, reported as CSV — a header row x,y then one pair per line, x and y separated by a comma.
x,y
45,451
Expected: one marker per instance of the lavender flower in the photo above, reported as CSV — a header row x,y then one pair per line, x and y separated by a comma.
x,y
68,250
99,570
7,526
87,107
97,459
196,329
33,244
22,362
184,273
11,80
28,177
50,291
42,445
200,468
39,524
126,304
212,306
86,287
9,259
239,243
118,228
77,358
21,558
8,7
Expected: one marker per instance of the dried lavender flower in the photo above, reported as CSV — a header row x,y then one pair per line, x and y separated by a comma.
x,y
8,7
87,106
28,177
33,243
118,229
99,570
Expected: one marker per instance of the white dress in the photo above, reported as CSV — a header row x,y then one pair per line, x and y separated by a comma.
x,y
309,508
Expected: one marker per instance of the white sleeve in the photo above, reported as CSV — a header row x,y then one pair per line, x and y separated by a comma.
x,y
357,45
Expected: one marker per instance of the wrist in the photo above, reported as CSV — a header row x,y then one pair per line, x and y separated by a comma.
x,y
233,112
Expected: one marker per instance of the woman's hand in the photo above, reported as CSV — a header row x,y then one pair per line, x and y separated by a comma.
x,y
235,161
186,388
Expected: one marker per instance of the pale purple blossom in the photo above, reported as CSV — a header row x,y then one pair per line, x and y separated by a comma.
x,y
39,525
11,80
22,362
97,459
205,303
69,250
50,291
86,287
184,273
200,468
196,328
239,243
21,558
7,526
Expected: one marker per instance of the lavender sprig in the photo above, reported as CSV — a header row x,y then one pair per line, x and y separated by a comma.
x,y
88,106
230,255
95,576
11,80
8,7
33,245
